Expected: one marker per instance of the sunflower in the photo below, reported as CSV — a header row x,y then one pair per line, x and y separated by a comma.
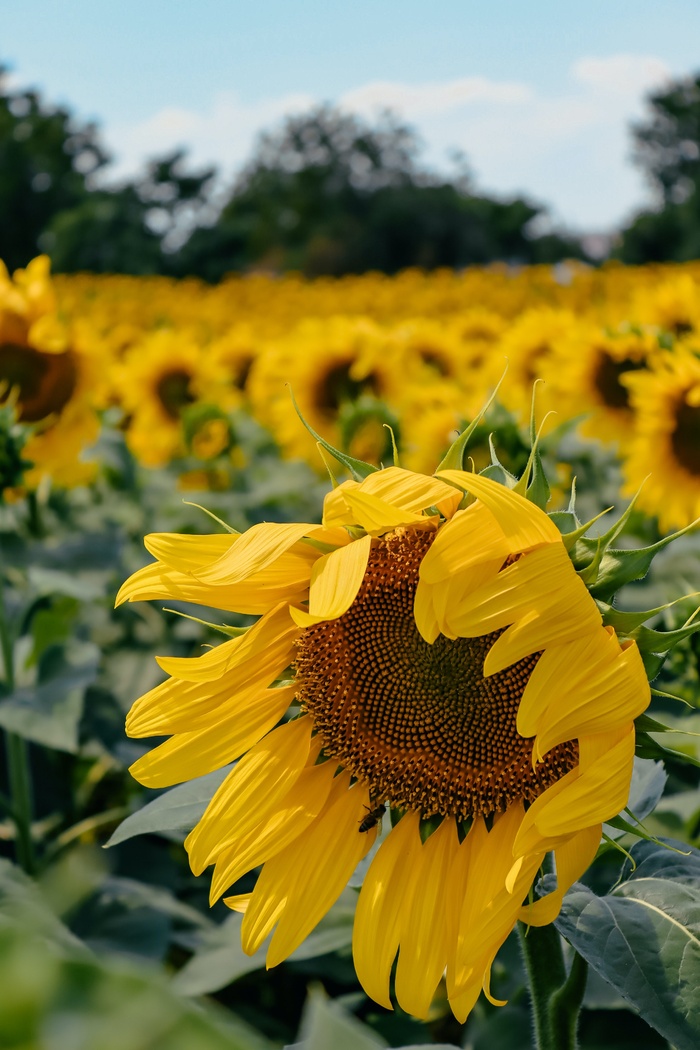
x,y
330,365
162,376
528,346
585,375
664,455
49,373
429,648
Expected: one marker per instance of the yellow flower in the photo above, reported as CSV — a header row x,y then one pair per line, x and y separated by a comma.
x,y
585,375
665,450
446,661
46,368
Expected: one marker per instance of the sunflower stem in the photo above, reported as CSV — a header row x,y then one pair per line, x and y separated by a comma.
x,y
18,775
556,998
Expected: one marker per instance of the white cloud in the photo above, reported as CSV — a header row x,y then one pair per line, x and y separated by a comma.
x,y
569,149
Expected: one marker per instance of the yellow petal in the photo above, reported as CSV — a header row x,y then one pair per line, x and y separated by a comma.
x,y
424,612
254,551
590,794
573,857
286,580
376,516
525,525
188,553
539,598
327,854
606,687
385,899
411,491
187,707
335,580
423,951
336,511
470,539
251,791
189,755
271,630
295,812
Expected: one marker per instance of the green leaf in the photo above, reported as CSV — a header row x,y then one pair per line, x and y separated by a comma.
x,y
622,566
49,713
325,1024
178,809
644,939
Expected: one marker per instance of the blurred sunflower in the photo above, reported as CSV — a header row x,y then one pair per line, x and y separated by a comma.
x,y
585,375
528,346
49,374
330,365
161,377
441,659
665,449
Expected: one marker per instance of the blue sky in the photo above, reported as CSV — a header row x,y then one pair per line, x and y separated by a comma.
x,y
537,95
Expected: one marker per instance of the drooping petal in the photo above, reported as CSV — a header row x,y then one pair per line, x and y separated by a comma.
x,y
424,941
411,491
385,900
424,612
295,812
471,538
250,791
490,907
376,516
525,525
271,630
539,598
335,580
189,755
596,790
328,853
286,580
573,857
254,551
188,553
605,684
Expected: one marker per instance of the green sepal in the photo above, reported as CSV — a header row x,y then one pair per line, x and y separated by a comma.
x,y
671,696
222,628
533,483
394,448
357,467
632,829
234,532
651,641
497,472
626,623
619,567
647,747
454,457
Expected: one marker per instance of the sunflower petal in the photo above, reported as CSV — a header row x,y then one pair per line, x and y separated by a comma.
x,y
423,951
385,899
274,832
250,791
472,537
189,755
524,524
376,516
188,553
255,550
335,580
573,857
411,491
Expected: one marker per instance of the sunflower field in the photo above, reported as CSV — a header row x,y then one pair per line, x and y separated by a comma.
x,y
388,737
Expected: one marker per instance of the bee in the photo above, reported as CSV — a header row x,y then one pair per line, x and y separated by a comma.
x,y
373,817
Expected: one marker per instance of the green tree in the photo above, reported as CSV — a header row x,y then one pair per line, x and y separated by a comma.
x,y
667,149
330,194
46,161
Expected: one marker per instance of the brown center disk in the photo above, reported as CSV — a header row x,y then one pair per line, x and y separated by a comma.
x,y
685,439
45,383
419,722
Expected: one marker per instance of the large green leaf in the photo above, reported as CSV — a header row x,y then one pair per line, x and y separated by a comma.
x,y
49,712
178,809
644,939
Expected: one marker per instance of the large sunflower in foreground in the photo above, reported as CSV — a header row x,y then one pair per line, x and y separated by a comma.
x,y
448,662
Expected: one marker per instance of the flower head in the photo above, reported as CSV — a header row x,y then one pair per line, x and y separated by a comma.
x,y
447,663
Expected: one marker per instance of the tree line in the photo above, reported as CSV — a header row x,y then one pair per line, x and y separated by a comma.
x,y
324,193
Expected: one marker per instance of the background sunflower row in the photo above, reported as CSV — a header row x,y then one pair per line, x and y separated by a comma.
x,y
180,368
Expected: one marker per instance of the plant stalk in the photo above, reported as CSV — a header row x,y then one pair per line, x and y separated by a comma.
x,y
555,996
